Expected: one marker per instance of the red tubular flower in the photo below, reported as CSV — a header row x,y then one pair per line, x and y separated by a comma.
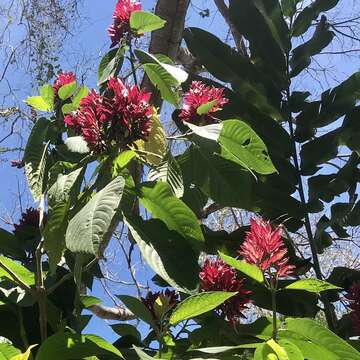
x,y
200,94
354,304
121,27
120,117
160,303
264,247
63,78
218,276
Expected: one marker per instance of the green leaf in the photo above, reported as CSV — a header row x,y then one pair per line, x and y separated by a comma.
x,y
91,228
313,331
68,108
25,356
77,144
126,329
289,7
301,56
310,13
312,285
60,190
143,21
80,94
164,82
278,350
221,349
167,78
205,108
293,351
137,308
142,355
67,346
35,157
10,245
122,161
159,200
242,145
170,172
110,64
89,301
8,351
47,93
199,304
161,248
25,275
252,271
67,90
37,102
211,132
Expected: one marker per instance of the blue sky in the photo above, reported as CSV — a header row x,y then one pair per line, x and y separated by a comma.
x,y
92,42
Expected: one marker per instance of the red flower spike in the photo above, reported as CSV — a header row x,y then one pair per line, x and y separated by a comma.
x,y
354,304
29,218
264,247
200,94
160,303
120,117
121,26
63,78
218,276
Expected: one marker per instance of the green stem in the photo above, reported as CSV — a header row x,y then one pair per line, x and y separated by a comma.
x,y
274,312
132,61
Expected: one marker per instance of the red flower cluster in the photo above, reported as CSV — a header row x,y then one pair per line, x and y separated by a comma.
x,y
29,218
160,303
121,27
264,247
354,305
218,276
63,78
200,94
120,117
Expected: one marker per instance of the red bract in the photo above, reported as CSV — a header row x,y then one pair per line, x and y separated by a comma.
x,y
62,79
354,304
200,94
121,27
264,247
29,218
120,117
218,276
167,300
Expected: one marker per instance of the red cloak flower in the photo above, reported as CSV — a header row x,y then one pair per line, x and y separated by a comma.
x,y
218,276
168,300
29,219
354,304
120,117
200,94
264,247
63,78
121,26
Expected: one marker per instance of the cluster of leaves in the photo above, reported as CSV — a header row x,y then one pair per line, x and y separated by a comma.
x,y
247,160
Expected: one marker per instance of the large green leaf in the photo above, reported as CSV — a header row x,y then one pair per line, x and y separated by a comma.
x,y
142,355
91,228
159,200
35,157
110,64
137,308
229,66
44,102
165,77
252,271
10,245
161,249
8,351
310,13
261,23
21,272
199,304
67,90
143,21
289,7
242,145
68,346
314,332
169,171
301,56
312,285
